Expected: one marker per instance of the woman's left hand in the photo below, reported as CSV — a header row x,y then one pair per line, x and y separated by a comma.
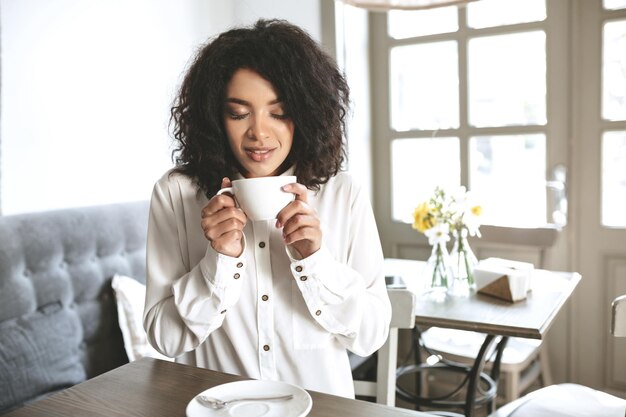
x,y
301,225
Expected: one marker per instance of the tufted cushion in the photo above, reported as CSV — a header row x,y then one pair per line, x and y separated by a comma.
x,y
58,320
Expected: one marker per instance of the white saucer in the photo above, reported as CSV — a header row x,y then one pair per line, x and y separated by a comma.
x,y
298,406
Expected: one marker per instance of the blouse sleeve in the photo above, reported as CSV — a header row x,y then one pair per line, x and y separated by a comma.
x,y
349,298
183,305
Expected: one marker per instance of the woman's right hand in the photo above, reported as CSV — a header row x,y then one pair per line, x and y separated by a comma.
x,y
223,223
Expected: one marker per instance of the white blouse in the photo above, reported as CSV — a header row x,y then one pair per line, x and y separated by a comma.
x,y
267,314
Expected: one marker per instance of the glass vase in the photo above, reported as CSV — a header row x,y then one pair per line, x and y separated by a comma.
x,y
463,263
438,272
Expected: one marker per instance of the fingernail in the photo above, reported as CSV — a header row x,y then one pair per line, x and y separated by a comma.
x,y
278,225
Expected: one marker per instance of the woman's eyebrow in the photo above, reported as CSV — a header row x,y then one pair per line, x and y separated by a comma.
x,y
237,101
247,103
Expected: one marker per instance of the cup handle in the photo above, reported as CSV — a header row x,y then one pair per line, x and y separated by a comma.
x,y
226,190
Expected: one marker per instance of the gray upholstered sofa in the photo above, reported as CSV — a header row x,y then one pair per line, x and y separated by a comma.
x,y
58,321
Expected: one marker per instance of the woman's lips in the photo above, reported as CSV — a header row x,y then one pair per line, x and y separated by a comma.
x,y
259,155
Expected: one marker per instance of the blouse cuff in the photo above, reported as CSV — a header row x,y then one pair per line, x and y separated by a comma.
x,y
333,286
323,285
221,270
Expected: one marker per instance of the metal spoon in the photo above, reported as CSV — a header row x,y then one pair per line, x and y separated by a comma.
x,y
217,404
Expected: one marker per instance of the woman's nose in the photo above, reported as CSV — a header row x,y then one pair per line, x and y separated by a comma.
x,y
258,129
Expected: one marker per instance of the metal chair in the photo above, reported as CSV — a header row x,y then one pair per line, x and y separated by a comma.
x,y
573,400
476,388
524,361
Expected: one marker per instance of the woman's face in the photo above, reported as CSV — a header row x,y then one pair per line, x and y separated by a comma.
x,y
259,132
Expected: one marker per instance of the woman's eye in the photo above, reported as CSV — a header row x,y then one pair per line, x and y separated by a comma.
x,y
280,116
237,116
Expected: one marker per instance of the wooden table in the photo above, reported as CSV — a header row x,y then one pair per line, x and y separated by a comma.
x,y
155,388
530,318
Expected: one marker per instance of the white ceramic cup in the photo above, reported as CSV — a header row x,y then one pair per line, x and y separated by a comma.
x,y
261,198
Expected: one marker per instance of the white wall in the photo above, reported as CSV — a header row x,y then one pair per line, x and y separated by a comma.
x,y
304,13
87,86
354,57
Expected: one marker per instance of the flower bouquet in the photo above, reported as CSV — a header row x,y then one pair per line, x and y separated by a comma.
x,y
444,213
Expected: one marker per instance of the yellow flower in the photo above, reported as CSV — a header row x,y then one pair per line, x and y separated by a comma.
x,y
476,210
423,218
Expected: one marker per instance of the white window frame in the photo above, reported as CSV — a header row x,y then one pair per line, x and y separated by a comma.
x,y
398,238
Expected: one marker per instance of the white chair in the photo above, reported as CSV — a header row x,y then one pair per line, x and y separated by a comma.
x,y
572,400
403,317
524,360
618,317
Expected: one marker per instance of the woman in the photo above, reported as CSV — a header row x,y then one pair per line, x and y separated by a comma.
x,y
280,300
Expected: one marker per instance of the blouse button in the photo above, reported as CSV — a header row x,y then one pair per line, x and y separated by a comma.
x,y
266,347
298,268
223,312
318,312
240,264
261,245
265,298
236,276
303,278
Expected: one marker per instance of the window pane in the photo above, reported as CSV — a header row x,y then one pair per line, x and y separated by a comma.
x,y
507,174
417,167
614,4
507,79
424,86
614,179
614,71
407,24
489,13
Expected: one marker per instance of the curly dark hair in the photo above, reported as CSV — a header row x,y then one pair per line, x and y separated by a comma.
x,y
315,96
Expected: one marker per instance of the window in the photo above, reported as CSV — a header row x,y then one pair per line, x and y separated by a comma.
x,y
468,105
614,179
613,112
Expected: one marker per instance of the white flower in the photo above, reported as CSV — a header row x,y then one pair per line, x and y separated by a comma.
x,y
471,214
472,222
440,233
